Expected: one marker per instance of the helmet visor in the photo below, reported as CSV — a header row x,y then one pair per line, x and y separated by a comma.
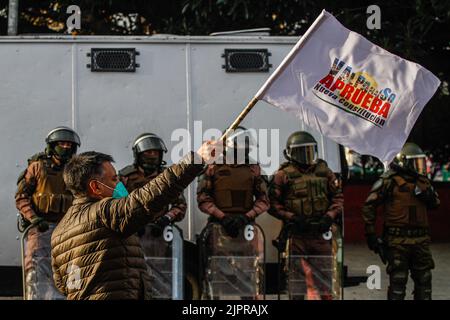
x,y
304,153
417,163
149,143
63,135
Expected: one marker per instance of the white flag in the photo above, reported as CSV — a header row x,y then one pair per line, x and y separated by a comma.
x,y
350,90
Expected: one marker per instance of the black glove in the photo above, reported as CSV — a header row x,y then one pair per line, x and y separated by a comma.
x,y
40,223
242,220
372,242
325,223
425,192
158,227
300,223
231,225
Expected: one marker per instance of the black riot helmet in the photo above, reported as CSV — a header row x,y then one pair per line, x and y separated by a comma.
x,y
411,159
301,147
62,134
145,142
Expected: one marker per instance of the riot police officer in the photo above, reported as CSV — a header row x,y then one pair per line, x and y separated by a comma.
x,y
232,192
148,150
42,200
306,195
406,194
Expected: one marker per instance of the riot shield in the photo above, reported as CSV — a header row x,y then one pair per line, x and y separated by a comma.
x,y
164,257
233,268
313,266
36,265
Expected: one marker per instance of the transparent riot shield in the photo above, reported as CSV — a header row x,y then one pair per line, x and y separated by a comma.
x,y
164,257
313,266
36,265
233,268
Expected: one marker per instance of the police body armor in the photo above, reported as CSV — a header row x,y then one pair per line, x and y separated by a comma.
x,y
233,267
308,192
404,209
313,262
51,199
233,188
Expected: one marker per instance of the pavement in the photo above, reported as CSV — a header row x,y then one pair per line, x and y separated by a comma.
x,y
358,257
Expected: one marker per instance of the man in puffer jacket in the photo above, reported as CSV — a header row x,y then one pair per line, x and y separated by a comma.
x,y
95,251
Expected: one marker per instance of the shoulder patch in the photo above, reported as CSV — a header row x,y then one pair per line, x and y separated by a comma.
x,y
127,170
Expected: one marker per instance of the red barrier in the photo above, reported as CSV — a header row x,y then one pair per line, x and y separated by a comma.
x,y
355,193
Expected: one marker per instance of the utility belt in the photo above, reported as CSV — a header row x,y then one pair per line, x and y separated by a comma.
x,y
311,230
406,232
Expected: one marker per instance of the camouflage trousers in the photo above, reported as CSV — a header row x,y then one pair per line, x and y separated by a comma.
x,y
409,255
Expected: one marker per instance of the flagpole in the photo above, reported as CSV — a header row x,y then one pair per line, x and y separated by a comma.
x,y
272,77
239,118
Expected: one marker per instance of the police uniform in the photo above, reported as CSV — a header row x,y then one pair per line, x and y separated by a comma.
x,y
232,190
41,192
307,193
42,200
406,229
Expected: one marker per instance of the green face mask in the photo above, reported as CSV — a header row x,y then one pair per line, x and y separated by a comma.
x,y
64,153
119,191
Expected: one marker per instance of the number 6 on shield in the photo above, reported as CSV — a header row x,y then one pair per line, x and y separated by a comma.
x,y
168,233
249,232
327,235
